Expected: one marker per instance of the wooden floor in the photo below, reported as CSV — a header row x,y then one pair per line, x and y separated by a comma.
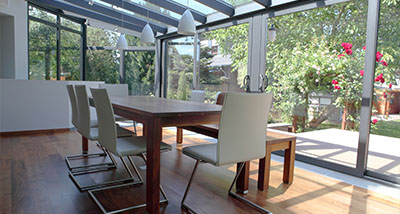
x,y
33,179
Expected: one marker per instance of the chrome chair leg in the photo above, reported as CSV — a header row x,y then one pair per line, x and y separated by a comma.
x,y
92,192
135,168
68,159
104,184
233,194
134,127
183,205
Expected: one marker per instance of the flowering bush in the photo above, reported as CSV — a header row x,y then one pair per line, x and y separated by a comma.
x,y
347,82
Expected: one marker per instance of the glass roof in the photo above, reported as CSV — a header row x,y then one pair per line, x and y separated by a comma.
x,y
237,2
199,7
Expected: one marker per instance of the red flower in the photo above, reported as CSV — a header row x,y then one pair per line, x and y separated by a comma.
x,y
378,56
347,46
390,85
340,55
349,51
337,87
335,82
382,80
364,48
362,72
384,63
384,95
374,121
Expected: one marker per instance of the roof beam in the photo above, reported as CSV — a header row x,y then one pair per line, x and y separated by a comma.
x,y
87,13
265,3
136,8
219,5
117,14
179,8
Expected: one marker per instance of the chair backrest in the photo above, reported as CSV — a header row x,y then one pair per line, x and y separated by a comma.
x,y
74,107
83,110
197,96
116,90
242,127
105,118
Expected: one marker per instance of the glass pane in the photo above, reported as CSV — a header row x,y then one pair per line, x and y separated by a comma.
x,y
101,37
223,61
384,146
70,67
103,65
41,14
139,72
157,8
179,68
313,67
237,2
42,51
196,6
70,24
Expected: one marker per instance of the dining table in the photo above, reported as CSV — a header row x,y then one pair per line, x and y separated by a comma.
x,y
155,113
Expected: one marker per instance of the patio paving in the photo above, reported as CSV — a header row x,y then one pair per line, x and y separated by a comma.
x,y
340,146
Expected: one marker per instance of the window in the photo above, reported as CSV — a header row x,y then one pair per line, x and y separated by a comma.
x,y
179,71
55,46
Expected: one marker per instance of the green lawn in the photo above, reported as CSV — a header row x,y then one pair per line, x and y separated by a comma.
x,y
387,128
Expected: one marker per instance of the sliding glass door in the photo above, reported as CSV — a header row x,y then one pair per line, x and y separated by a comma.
x,y
313,64
384,140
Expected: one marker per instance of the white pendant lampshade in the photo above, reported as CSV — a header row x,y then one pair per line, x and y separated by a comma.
x,y
272,33
186,24
122,44
147,35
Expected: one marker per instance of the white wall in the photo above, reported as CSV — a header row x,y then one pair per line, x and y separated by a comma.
x,y
17,67
36,104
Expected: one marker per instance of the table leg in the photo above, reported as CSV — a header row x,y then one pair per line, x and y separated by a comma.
x,y
179,135
154,136
264,168
242,183
85,145
288,169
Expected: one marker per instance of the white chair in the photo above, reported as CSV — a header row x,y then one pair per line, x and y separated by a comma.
x,y
241,137
118,90
121,147
197,96
91,133
75,122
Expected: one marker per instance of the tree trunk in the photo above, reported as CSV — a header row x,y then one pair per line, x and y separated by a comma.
x,y
349,109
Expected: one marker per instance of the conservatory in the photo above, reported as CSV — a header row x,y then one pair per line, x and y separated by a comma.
x,y
184,80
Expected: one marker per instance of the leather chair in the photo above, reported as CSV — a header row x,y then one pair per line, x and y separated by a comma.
x,y
121,147
241,137
87,130
75,122
119,90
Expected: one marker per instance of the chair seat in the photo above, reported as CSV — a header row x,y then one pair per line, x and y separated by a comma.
x,y
131,146
121,132
206,153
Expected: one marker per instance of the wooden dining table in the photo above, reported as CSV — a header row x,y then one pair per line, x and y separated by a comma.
x,y
155,113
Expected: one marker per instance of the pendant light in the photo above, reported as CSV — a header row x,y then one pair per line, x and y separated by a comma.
x,y
147,35
272,33
122,44
186,25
